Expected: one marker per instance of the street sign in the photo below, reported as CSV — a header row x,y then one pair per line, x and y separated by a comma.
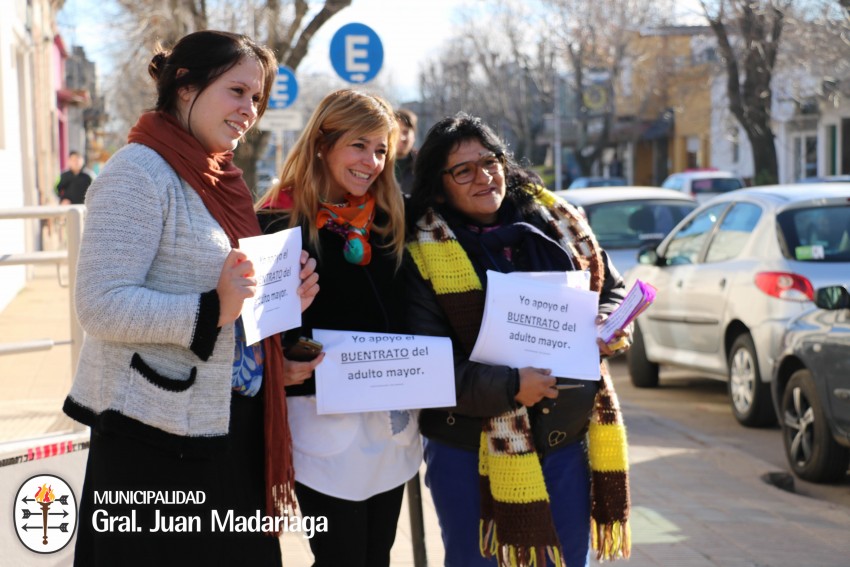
x,y
356,53
276,120
284,90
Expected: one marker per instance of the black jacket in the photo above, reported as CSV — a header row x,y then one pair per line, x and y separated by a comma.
x,y
74,186
486,391
366,298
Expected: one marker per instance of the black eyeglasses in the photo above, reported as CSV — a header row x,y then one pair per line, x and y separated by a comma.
x,y
465,172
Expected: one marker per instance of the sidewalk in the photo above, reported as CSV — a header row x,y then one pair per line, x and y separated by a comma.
x,y
695,503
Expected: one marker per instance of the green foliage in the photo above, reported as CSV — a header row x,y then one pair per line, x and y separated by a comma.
x,y
765,177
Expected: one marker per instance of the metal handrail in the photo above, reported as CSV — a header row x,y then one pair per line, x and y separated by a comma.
x,y
74,216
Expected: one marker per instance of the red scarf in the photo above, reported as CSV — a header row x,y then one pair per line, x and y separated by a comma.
x,y
220,185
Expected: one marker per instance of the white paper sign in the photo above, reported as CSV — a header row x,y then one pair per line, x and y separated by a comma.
x,y
532,322
574,279
377,371
277,262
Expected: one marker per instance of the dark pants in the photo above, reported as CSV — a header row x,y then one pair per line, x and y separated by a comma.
x,y
230,480
452,476
359,534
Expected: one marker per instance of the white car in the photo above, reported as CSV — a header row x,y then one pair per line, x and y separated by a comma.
x,y
703,184
626,219
730,276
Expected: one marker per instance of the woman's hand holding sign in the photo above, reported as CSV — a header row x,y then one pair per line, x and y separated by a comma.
x,y
534,385
235,284
309,281
621,342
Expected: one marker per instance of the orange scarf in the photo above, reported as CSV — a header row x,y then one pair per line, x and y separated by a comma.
x,y
220,185
352,221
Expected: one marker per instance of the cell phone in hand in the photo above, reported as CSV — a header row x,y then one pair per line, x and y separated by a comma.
x,y
304,350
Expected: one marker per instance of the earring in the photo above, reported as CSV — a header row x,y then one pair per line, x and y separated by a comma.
x,y
319,155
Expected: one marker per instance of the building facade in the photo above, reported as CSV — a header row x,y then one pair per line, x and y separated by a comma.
x,y
30,67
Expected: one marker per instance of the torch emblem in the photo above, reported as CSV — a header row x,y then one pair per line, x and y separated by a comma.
x,y
45,512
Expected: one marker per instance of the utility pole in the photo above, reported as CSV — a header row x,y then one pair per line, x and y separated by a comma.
x,y
556,134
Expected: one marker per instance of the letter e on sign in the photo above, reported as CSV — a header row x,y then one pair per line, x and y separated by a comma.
x,y
284,90
356,53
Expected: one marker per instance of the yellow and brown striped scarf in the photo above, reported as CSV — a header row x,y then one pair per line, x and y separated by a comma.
x,y
516,521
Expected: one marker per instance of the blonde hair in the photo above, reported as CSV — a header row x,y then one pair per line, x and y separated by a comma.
x,y
342,116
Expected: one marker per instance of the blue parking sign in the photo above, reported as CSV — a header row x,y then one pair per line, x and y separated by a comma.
x,y
284,90
356,53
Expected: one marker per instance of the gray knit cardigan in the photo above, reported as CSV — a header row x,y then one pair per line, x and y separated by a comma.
x,y
153,364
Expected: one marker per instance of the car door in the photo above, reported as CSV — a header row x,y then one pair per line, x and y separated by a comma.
x,y
832,365
667,322
706,288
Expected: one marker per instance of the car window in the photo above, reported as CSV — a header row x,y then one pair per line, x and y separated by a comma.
x,y
715,185
674,182
630,224
685,246
817,234
734,232
606,182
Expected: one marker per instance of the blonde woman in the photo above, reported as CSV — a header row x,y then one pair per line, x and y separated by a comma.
x,y
338,186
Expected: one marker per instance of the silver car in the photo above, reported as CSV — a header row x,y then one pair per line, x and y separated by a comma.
x,y
729,278
626,219
703,184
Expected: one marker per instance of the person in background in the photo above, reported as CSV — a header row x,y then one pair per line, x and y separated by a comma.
x,y
405,152
177,402
551,464
350,468
74,182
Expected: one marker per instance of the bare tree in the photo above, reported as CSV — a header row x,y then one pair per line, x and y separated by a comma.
x,y
498,67
748,38
287,26
593,38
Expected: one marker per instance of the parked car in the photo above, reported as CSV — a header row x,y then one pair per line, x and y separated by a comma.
x,y
729,278
826,179
584,182
703,184
811,388
625,219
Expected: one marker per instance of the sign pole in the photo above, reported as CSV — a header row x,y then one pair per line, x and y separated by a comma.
x,y
278,153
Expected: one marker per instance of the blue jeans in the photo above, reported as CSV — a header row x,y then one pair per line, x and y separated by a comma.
x,y
452,476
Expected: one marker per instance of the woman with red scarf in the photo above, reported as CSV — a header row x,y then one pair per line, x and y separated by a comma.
x,y
337,184
188,422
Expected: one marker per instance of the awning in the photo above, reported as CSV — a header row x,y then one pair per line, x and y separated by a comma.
x,y
661,127
73,97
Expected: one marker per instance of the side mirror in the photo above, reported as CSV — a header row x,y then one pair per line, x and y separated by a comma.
x,y
648,256
832,297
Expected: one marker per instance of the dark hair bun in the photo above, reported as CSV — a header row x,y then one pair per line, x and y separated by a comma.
x,y
157,64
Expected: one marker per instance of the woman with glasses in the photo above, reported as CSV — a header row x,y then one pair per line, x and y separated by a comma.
x,y
522,468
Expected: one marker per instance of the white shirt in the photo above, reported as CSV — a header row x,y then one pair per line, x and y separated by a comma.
x,y
353,456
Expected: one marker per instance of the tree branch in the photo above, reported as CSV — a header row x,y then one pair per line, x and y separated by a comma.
x,y
299,50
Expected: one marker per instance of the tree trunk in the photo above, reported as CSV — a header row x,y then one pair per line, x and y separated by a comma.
x,y
750,102
247,154
765,163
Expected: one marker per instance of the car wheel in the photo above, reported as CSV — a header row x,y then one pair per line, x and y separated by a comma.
x,y
750,397
810,449
644,374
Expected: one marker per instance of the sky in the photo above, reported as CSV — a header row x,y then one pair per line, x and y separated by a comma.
x,y
411,31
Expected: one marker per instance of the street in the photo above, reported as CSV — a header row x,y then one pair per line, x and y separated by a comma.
x,y
702,404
